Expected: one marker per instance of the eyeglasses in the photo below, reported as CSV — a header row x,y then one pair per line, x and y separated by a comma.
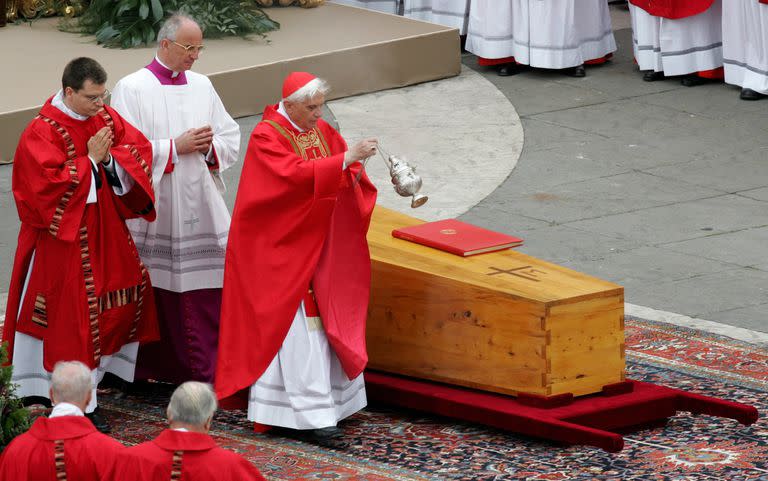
x,y
190,48
97,98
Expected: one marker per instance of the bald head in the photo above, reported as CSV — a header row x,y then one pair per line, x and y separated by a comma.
x,y
192,406
71,383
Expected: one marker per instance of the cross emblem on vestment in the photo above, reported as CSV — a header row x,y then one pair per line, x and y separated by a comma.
x,y
524,272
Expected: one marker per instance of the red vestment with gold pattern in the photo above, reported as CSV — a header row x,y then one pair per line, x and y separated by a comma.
x,y
88,293
299,221
187,456
67,444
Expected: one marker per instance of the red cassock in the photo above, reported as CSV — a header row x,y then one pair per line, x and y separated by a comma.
x,y
66,444
184,456
299,221
673,9
88,293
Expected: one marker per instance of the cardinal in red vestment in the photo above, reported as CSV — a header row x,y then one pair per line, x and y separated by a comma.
x,y
66,445
297,269
185,451
678,37
78,288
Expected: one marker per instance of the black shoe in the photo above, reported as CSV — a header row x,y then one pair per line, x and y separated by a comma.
x,y
577,71
749,94
329,437
331,432
652,76
99,421
508,69
694,80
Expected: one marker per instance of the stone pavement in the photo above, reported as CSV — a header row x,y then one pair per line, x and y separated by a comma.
x,y
655,186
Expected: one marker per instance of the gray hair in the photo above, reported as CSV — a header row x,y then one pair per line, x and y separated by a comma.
x,y
312,89
192,403
171,26
71,381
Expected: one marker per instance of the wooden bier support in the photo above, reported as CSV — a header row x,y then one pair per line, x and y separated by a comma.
x,y
503,322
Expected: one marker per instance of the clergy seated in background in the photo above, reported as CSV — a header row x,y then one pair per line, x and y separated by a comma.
x,y
184,451
78,289
193,140
65,445
551,34
678,38
298,271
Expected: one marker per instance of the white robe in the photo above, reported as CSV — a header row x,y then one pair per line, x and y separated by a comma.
x,y
184,248
386,6
305,386
678,47
745,44
552,34
451,13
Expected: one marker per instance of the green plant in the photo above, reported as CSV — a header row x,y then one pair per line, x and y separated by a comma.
x,y
132,23
14,418
219,18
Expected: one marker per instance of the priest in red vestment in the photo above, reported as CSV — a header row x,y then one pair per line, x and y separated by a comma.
x,y
65,445
78,288
185,451
297,269
678,38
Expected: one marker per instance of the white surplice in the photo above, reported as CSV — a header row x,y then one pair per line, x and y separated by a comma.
x,y
451,13
678,47
554,34
184,248
305,386
745,44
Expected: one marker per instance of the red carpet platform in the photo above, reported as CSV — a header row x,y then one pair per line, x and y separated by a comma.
x,y
357,50
594,420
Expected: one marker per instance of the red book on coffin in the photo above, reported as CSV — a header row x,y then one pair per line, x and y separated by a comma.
x,y
457,237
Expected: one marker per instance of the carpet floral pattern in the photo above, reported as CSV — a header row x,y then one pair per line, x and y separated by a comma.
x,y
383,444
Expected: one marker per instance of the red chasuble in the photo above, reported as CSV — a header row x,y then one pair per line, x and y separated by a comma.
x,y
673,9
66,444
88,293
185,456
298,221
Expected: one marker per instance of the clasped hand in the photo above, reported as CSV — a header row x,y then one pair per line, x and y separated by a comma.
x,y
99,145
194,140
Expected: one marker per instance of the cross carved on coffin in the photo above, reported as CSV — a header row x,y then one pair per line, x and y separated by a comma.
x,y
524,272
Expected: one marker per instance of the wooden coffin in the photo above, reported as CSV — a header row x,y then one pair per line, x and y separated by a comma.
x,y
503,322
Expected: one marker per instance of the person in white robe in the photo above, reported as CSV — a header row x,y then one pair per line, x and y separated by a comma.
x,y
551,34
745,46
690,46
386,6
450,13
193,140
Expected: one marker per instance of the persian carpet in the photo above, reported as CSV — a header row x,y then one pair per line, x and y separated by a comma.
x,y
382,443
